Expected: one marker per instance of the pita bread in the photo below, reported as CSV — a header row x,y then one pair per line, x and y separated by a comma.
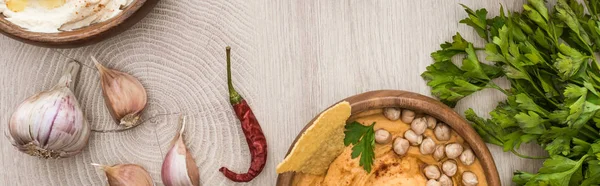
x,y
320,144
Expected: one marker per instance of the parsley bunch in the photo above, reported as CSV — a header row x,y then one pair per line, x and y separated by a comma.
x,y
549,57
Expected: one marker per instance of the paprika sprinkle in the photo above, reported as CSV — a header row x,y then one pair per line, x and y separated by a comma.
x,y
251,128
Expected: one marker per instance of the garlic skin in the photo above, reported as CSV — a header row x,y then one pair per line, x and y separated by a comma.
x,y
126,174
179,167
51,124
124,95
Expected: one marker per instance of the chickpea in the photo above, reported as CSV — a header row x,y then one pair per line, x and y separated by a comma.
x,y
432,172
419,125
449,168
382,136
467,157
401,146
431,122
392,113
408,116
469,179
445,181
453,150
413,138
438,153
433,183
427,146
442,132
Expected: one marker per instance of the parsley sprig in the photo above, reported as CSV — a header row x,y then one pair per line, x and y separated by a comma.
x,y
549,58
363,139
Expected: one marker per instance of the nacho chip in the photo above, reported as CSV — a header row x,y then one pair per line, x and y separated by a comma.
x,y
320,144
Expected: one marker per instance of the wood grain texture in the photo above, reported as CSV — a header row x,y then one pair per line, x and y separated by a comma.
x,y
291,59
379,99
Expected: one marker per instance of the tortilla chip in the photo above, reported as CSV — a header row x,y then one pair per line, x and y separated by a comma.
x,y
320,144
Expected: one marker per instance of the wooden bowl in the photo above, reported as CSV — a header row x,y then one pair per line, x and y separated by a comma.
x,y
413,101
82,36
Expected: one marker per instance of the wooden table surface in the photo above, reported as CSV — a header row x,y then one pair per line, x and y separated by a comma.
x,y
291,59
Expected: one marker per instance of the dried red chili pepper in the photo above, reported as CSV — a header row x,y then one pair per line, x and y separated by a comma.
x,y
254,135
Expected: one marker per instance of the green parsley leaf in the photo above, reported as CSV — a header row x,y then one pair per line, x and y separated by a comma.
x,y
558,170
592,175
531,122
477,20
363,139
549,58
472,65
449,50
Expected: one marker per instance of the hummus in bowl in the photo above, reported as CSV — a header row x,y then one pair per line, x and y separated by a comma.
x,y
417,164
69,23
49,16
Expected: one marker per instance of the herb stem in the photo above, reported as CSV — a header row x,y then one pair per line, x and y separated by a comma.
x,y
495,86
592,130
528,157
586,134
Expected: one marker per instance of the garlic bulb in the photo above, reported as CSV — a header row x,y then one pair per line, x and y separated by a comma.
x,y
51,124
124,95
126,174
179,167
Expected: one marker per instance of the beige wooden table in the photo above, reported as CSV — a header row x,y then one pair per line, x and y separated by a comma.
x,y
292,59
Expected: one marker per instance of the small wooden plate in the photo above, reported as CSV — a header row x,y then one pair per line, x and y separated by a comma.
x,y
417,102
83,36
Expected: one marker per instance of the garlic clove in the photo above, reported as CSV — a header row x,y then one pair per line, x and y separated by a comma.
x,y
51,124
124,95
179,167
126,174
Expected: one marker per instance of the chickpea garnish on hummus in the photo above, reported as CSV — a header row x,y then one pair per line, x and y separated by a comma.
x,y
403,153
51,16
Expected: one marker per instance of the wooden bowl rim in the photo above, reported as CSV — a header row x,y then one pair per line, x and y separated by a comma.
x,y
70,37
408,100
